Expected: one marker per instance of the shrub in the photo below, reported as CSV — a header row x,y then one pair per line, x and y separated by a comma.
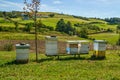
x,y
28,27
51,15
8,47
83,32
7,29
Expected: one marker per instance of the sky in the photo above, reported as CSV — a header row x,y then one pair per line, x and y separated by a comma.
x,y
85,8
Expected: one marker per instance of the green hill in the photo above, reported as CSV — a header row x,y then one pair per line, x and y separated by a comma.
x,y
52,21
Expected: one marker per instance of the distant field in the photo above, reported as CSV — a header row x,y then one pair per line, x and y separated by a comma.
x,y
52,21
67,68
41,36
106,26
110,37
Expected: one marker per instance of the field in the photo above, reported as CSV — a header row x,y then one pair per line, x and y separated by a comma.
x,y
41,36
67,68
52,21
111,38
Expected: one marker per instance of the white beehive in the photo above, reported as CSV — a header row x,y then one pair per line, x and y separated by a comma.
x,y
99,45
99,48
51,46
83,46
22,52
72,47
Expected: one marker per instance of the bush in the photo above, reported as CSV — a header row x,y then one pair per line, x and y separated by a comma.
x,y
28,27
51,15
83,33
7,29
78,25
109,30
118,42
8,47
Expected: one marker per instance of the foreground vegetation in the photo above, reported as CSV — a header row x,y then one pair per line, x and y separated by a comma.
x,y
67,68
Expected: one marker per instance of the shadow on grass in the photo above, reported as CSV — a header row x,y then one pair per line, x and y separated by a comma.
x,y
55,58
96,58
72,58
14,62
60,58
43,60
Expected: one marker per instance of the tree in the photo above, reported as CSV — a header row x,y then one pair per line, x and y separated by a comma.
x,y
51,15
28,27
60,25
69,29
118,31
7,17
83,32
32,9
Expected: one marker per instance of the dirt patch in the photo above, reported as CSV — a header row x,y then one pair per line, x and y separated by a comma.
x,y
41,45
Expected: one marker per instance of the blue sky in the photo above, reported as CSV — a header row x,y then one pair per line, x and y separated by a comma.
x,y
86,8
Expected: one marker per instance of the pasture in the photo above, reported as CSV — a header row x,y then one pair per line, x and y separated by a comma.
x,y
111,38
67,68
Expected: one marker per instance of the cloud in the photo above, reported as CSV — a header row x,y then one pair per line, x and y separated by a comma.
x,y
11,5
45,7
99,1
57,2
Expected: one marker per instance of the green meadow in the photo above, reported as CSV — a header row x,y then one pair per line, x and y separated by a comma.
x,y
66,68
52,21
111,38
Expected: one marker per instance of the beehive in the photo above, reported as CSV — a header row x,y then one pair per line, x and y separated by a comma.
x,y
51,46
22,52
99,48
83,47
72,47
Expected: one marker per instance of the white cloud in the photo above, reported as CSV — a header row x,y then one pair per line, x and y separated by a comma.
x,y
11,5
47,8
57,2
99,1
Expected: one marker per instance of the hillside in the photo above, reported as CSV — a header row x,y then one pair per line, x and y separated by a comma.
x,y
77,23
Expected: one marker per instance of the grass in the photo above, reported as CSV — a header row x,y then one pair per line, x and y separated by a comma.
x,y
41,36
110,37
52,22
67,68
106,26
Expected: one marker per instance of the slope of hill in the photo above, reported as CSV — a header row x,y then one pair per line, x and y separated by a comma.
x,y
52,21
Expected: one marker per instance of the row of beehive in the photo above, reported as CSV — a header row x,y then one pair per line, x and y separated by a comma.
x,y
73,47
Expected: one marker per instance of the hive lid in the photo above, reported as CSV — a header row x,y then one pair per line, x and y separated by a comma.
x,y
22,46
51,37
100,41
73,41
77,41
